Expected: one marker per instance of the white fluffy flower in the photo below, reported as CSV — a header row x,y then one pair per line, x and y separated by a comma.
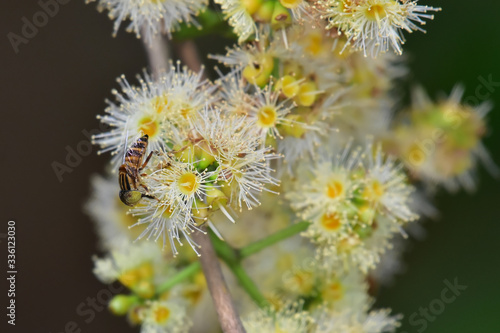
x,y
375,26
153,108
377,321
151,17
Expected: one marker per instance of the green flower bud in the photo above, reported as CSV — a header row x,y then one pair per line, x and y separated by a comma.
x,y
120,304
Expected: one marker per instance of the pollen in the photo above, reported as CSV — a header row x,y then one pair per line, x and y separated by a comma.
x,y
334,189
161,314
267,116
188,183
148,126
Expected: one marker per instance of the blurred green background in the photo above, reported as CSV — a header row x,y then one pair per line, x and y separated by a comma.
x,y
462,44
53,88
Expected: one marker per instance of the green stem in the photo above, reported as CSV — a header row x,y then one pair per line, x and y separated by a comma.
x,y
247,283
184,274
224,250
273,239
233,257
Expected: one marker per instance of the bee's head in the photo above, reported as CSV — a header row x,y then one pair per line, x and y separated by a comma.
x,y
130,198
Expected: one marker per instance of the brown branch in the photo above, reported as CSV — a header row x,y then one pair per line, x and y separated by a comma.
x,y
158,54
228,316
186,50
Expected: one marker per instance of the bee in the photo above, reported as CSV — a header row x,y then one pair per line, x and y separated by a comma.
x,y
129,175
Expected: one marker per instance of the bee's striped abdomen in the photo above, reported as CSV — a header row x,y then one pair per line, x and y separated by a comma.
x,y
123,178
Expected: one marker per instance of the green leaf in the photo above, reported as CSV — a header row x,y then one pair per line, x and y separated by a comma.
x,y
210,22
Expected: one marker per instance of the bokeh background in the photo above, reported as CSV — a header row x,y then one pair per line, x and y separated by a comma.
x,y
52,89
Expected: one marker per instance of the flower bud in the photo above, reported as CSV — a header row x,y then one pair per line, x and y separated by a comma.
x,y
288,85
281,17
120,304
265,12
200,212
216,197
307,94
252,6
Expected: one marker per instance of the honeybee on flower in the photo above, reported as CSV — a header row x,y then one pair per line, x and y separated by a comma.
x,y
220,163
291,115
153,108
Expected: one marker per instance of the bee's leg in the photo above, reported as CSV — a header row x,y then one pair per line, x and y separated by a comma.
x,y
145,188
146,161
150,197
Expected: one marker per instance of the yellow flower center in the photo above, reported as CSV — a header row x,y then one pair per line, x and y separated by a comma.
x,y
330,222
334,189
304,281
333,292
374,191
315,43
148,126
349,243
186,111
267,116
160,103
416,156
161,314
129,278
188,183
376,12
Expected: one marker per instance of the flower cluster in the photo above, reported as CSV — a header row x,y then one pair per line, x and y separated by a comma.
x,y
306,105
440,143
356,202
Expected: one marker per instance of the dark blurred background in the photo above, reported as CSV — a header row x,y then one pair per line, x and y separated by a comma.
x,y
52,89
